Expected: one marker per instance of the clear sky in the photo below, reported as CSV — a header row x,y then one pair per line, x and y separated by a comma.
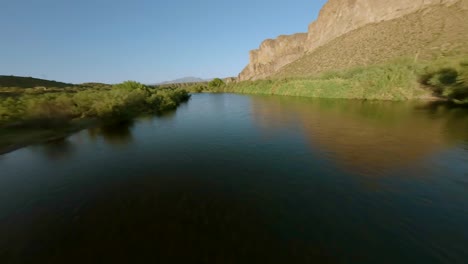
x,y
144,40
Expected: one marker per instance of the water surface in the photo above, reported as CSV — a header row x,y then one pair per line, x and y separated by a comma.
x,y
246,179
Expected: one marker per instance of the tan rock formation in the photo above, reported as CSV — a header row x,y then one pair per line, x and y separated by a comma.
x,y
274,54
336,18
229,80
438,30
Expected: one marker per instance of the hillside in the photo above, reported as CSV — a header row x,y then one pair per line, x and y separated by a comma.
x,y
368,49
351,33
424,35
29,82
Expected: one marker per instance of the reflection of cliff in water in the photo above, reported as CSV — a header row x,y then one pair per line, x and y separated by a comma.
x,y
113,134
366,136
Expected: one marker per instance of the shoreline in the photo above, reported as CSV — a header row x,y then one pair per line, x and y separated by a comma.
x,y
25,137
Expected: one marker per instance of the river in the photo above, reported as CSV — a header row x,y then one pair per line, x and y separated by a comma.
x,y
246,179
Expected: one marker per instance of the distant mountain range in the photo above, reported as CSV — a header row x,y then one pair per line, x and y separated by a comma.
x,y
185,80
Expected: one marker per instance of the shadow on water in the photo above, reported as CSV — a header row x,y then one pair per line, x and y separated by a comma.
x,y
368,137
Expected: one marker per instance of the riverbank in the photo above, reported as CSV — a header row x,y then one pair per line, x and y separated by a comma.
x,y
400,80
31,117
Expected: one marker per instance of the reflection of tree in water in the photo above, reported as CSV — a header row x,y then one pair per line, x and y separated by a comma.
x,y
165,115
366,137
455,118
56,149
114,134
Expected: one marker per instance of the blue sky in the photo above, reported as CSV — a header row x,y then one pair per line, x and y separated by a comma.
x,y
144,40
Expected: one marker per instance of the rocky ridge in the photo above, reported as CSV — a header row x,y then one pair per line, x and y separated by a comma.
x,y
337,18
274,54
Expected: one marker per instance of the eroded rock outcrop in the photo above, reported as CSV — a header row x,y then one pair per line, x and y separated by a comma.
x,y
274,54
336,18
436,31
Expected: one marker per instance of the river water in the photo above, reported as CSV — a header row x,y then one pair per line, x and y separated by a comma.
x,y
246,179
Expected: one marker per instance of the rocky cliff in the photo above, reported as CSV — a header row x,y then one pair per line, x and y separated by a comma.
x,y
336,18
436,31
274,54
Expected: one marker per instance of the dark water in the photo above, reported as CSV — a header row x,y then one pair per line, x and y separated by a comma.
x,y
246,179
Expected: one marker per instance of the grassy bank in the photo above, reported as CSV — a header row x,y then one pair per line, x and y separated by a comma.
x,y
33,115
403,79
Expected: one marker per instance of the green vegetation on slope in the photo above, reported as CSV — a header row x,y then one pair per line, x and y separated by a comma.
x,y
402,79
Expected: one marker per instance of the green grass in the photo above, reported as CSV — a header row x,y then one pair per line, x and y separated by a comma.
x,y
211,86
399,80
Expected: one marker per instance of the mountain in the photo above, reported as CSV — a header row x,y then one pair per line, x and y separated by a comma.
x,y
349,33
29,82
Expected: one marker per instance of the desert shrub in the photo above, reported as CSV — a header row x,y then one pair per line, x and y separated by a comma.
x,y
129,85
215,83
121,102
447,78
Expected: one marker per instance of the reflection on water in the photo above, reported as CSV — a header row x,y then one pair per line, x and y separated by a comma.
x,y
164,115
368,137
56,149
114,134
454,117
245,179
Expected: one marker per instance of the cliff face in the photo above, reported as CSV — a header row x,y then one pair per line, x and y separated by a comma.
x,y
274,54
336,18
435,31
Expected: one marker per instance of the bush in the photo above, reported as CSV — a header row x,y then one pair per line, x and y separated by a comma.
x,y
216,83
121,102
448,79
130,85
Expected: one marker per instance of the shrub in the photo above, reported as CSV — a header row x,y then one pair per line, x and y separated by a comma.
x,y
122,102
216,83
129,85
